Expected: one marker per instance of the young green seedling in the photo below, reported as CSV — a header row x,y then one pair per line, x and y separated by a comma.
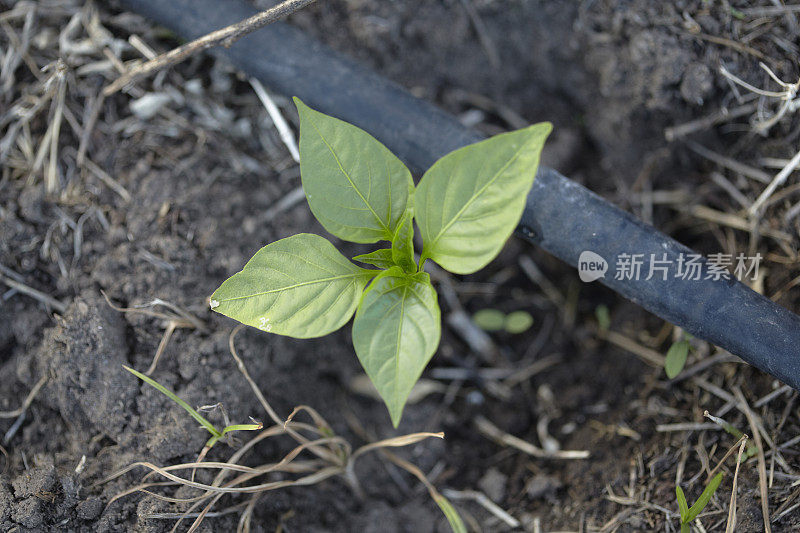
x,y
465,207
216,434
688,514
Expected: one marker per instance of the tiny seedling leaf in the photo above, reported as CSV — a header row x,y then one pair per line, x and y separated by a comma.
x,y
603,317
469,202
518,321
489,319
676,358
683,505
216,434
453,518
300,286
395,333
695,510
355,186
380,258
403,243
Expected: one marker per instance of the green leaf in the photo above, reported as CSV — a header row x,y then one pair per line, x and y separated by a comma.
x,y
403,243
518,321
380,258
603,317
453,518
676,358
395,333
489,319
683,506
469,202
704,498
300,286
215,433
355,186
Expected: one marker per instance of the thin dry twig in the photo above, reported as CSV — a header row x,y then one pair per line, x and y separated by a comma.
x,y
7,464
484,501
224,37
28,399
776,182
730,527
648,355
727,162
284,131
493,432
762,464
704,123
33,293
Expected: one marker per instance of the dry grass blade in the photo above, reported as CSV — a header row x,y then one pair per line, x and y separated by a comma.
x,y
225,37
776,182
648,355
739,444
727,162
244,519
240,365
7,464
284,131
762,465
231,488
396,442
731,525
28,400
482,500
506,439
33,293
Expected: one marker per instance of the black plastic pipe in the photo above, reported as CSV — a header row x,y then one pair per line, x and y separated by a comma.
x,y
563,217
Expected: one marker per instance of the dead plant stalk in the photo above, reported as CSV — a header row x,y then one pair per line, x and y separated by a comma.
x,y
224,37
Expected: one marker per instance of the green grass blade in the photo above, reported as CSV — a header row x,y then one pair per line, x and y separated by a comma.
x,y
172,396
683,506
704,498
453,518
242,427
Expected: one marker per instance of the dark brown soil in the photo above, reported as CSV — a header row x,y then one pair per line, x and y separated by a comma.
x,y
202,174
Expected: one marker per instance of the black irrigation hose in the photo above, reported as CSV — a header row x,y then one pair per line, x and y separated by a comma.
x,y
561,216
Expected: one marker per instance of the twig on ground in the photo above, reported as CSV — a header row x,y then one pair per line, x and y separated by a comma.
x,y
727,162
739,47
289,200
280,123
484,501
7,464
28,399
786,96
33,293
225,37
483,34
493,432
737,222
648,355
106,178
762,465
704,123
731,525
776,182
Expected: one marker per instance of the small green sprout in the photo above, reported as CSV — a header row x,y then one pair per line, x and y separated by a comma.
x,y
216,434
676,356
688,514
603,317
495,320
465,207
518,322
